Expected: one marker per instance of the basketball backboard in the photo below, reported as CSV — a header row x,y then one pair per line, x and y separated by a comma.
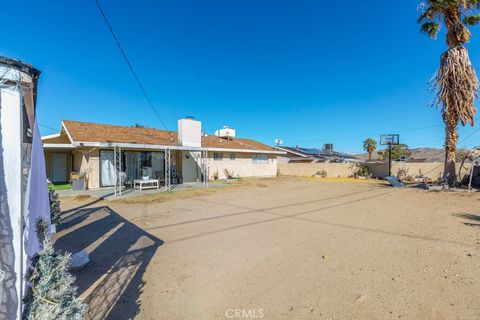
x,y
390,139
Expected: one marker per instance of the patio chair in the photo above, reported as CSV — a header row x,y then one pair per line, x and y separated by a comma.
x,y
122,176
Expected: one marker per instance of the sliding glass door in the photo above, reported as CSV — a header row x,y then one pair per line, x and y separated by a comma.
x,y
132,165
135,164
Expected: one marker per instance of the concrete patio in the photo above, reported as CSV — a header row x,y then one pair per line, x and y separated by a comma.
x,y
108,192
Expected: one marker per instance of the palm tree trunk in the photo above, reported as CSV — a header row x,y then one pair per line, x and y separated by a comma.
x,y
369,156
451,123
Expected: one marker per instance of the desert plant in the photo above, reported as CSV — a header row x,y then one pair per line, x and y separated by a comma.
x,y
50,294
369,145
362,171
321,173
403,174
455,83
54,206
461,156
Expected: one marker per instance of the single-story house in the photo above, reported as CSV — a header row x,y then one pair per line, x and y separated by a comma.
x,y
98,152
312,155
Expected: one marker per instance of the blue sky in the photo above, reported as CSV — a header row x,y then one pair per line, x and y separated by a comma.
x,y
308,72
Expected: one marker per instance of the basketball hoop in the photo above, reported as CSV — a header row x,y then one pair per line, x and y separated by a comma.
x,y
390,140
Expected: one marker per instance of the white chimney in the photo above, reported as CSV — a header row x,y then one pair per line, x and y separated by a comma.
x,y
189,132
226,132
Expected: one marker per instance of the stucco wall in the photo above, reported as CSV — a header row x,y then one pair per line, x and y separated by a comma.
x,y
87,160
334,170
432,170
242,166
379,170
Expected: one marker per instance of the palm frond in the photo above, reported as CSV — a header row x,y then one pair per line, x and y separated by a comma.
x,y
456,85
431,29
472,20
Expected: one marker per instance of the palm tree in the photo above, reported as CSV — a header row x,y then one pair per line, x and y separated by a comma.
x,y
455,83
370,145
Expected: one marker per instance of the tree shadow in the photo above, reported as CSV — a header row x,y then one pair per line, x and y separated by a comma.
x,y
111,284
468,216
88,204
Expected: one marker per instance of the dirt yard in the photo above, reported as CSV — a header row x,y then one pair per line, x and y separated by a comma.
x,y
280,249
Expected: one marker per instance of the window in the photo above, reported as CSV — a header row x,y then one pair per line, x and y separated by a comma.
x,y
232,156
259,158
217,156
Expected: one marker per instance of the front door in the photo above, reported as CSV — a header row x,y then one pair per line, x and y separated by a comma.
x,y
59,167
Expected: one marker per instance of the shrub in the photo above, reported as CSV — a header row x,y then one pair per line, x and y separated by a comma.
x,y
51,294
54,206
322,173
362,172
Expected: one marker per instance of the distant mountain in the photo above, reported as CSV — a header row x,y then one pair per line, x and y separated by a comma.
x,y
431,154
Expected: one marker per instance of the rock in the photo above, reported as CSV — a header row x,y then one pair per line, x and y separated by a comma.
x,y
79,260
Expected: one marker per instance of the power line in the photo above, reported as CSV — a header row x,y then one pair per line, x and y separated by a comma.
x,y
371,134
130,66
47,127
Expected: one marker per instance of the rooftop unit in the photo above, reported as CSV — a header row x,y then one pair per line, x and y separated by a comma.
x,y
226,132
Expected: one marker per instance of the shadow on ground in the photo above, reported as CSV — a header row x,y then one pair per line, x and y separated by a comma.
x,y
469,216
120,252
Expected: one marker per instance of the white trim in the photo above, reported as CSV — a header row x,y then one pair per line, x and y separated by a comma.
x,y
50,136
68,133
58,146
164,147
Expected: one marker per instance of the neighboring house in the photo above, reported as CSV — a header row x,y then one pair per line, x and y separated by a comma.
x,y
308,155
94,150
416,160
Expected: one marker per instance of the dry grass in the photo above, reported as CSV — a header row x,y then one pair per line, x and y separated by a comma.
x,y
192,193
235,184
79,198
230,186
344,180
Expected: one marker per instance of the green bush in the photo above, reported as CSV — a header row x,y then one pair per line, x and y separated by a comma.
x,y
362,172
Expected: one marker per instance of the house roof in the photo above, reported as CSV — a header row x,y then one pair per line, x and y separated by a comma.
x,y
317,153
105,133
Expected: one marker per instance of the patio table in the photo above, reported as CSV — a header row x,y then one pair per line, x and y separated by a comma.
x,y
141,184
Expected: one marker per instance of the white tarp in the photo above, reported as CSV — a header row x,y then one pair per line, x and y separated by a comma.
x,y
37,192
16,119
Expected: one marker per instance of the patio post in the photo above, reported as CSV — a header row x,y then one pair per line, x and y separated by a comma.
x,y
168,176
117,163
